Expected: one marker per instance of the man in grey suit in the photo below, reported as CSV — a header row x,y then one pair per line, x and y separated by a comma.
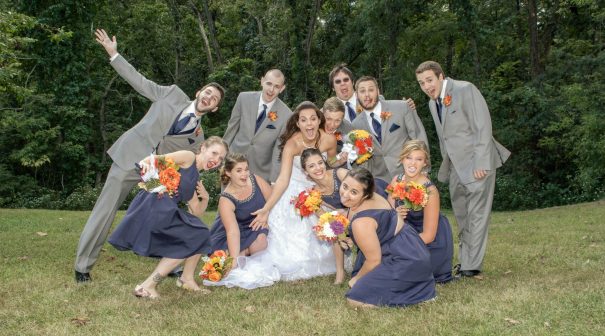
x,y
470,158
257,120
336,124
172,123
391,123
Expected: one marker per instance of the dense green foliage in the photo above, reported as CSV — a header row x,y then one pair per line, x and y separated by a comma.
x,y
540,65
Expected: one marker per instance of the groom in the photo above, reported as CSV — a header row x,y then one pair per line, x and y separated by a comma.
x,y
390,122
172,123
257,120
470,158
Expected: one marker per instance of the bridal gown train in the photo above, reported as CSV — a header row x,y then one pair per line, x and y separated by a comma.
x,y
293,251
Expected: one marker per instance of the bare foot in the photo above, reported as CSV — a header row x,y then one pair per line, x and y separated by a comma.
x,y
188,284
145,292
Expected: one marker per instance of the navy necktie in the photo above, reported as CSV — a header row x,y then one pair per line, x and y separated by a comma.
x,y
181,124
377,128
439,108
261,118
352,113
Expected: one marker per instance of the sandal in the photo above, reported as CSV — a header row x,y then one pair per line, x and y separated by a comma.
x,y
141,292
181,284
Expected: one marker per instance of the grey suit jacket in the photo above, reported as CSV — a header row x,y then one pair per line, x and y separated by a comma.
x,y
261,148
149,134
465,136
403,125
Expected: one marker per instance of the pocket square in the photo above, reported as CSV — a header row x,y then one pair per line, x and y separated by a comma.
x,y
190,140
454,111
393,128
270,126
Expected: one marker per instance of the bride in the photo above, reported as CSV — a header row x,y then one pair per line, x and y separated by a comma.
x,y
293,251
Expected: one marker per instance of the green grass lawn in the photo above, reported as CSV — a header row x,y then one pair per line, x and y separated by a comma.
x,y
544,274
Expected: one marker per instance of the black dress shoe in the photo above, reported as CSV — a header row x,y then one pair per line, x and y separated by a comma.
x,y
470,273
82,277
456,270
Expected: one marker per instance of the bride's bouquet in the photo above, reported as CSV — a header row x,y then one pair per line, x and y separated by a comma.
x,y
331,226
216,266
162,175
307,202
411,195
358,144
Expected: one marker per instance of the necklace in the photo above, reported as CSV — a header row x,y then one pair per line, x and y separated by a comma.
x,y
302,138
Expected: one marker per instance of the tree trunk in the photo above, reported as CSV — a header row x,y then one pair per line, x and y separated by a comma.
x,y
534,51
200,23
212,32
98,177
177,40
309,40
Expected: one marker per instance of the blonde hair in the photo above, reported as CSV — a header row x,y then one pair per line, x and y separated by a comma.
x,y
333,104
414,145
215,140
230,161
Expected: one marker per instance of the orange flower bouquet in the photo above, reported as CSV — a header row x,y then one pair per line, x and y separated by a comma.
x,y
358,143
162,176
411,195
307,202
331,226
216,266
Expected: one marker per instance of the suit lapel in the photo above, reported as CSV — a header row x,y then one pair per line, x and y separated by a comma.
x,y
385,124
445,110
253,113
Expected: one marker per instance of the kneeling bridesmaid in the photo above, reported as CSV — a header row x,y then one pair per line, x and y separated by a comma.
x,y
244,193
393,266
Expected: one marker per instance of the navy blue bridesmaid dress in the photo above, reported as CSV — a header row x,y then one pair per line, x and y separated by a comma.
x,y
154,225
243,210
404,276
442,248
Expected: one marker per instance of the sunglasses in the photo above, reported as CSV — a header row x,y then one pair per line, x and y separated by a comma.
x,y
344,80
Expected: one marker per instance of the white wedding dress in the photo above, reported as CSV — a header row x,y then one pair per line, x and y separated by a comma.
x,y
293,251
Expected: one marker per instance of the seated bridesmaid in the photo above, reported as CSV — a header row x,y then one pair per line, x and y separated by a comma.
x,y
244,193
433,227
155,226
327,182
393,266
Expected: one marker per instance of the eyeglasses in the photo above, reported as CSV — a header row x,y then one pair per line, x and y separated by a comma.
x,y
344,80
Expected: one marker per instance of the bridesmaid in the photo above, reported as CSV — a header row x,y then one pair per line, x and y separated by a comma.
x,y
393,266
244,193
327,182
433,227
155,226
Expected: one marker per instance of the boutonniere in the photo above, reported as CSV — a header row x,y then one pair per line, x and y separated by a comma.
x,y
198,130
338,136
272,116
358,109
385,115
447,101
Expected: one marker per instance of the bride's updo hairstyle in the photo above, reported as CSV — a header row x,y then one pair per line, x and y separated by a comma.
x,y
292,128
364,177
306,154
230,161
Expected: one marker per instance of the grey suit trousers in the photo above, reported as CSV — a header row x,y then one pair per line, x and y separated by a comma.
x,y
472,205
117,186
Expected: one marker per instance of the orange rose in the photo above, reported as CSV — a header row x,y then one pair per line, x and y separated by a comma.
x,y
219,253
170,178
214,276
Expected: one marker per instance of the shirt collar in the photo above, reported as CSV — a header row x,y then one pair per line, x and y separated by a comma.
x,y
261,102
443,86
